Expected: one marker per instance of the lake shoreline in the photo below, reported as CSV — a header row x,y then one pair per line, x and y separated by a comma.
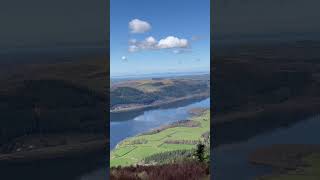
x,y
192,122
198,112
159,104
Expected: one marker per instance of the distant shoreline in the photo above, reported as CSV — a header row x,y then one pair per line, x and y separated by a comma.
x,y
159,75
159,103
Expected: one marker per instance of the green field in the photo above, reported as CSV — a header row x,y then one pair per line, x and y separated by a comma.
x,y
134,150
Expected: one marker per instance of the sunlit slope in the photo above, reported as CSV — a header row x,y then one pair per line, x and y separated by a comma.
x,y
139,94
179,136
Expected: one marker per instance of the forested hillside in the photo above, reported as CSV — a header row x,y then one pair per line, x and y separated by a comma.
x,y
138,93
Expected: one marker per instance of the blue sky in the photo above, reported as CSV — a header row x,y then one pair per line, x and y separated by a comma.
x,y
158,36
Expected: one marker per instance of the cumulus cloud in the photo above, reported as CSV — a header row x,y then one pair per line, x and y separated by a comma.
x,y
139,26
133,48
150,43
172,42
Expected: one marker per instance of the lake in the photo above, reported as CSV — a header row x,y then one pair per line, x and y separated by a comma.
x,y
121,128
130,124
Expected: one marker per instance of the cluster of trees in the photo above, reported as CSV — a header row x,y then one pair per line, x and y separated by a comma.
x,y
206,137
168,157
186,123
128,95
181,89
138,141
192,142
200,154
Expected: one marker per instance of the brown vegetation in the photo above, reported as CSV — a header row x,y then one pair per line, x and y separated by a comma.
x,y
185,171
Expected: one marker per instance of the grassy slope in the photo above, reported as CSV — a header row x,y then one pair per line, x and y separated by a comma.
x,y
127,153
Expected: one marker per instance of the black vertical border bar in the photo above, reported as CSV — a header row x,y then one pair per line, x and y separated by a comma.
x,y
107,106
212,163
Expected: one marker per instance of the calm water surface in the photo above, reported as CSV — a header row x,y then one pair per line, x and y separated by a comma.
x,y
148,120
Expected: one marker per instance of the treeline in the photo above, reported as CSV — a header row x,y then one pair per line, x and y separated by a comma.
x,y
168,157
201,153
129,95
191,142
137,141
181,123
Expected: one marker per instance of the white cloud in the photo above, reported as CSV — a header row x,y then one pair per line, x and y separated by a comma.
x,y
133,48
132,41
124,58
150,43
139,26
172,42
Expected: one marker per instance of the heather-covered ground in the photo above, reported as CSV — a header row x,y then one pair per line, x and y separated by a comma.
x,y
188,170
